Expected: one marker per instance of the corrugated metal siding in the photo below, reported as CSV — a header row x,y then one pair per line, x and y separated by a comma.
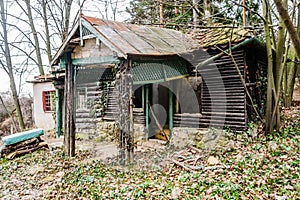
x,y
91,74
158,71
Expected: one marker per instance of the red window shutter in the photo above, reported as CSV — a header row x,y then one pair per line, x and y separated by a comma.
x,y
44,100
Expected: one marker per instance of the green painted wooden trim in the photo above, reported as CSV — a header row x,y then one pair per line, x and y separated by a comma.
x,y
143,97
95,60
22,136
177,77
147,112
58,113
148,82
170,112
64,59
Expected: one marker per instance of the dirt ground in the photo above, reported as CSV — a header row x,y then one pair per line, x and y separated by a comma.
x,y
146,153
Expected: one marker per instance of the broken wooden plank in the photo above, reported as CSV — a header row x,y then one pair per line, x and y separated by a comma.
x,y
22,136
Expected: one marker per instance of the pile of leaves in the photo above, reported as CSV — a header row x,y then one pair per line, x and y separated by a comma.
x,y
267,167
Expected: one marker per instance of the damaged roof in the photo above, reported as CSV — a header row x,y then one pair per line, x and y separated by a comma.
x,y
130,39
136,39
209,37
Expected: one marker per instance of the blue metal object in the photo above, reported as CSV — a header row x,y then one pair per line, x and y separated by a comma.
x,y
22,136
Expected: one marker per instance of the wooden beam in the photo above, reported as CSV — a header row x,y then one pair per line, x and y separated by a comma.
x,y
69,138
143,97
95,60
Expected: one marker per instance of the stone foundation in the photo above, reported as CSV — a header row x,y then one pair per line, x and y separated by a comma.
x,y
208,139
108,132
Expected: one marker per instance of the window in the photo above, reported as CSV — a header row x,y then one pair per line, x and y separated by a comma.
x,y
49,101
82,98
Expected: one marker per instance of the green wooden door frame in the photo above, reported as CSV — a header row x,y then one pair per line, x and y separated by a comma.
x,y
58,112
170,110
147,111
146,107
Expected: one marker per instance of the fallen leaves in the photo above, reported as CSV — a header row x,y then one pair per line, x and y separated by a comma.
x,y
265,168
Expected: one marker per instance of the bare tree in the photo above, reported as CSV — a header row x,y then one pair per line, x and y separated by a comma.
x,y
269,104
59,13
114,8
67,5
47,32
207,11
8,67
35,35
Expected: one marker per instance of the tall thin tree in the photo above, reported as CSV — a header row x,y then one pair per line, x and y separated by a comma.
x,y
269,103
8,67
35,35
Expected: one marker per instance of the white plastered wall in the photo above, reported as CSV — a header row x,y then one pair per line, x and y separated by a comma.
x,y
41,118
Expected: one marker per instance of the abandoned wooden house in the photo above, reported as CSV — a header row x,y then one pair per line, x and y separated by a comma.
x,y
149,78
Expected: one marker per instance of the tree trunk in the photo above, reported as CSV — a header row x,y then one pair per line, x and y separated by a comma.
x,y
289,25
269,103
279,66
175,7
35,37
45,18
10,68
291,73
291,76
195,13
207,10
244,14
161,13
68,4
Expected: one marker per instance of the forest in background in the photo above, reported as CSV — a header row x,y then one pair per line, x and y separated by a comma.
x,y
29,38
261,163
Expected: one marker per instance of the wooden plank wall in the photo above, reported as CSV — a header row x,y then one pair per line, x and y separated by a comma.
x,y
223,100
229,90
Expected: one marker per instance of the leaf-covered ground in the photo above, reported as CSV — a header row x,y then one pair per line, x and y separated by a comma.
x,y
259,168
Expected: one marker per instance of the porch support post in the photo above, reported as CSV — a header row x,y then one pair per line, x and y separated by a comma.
x,y
170,110
58,113
69,135
147,111
178,88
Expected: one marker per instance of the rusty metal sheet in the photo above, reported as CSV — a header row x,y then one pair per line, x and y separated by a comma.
x,y
116,39
139,43
134,39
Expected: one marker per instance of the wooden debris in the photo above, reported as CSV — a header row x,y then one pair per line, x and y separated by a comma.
x,y
212,160
21,148
193,160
